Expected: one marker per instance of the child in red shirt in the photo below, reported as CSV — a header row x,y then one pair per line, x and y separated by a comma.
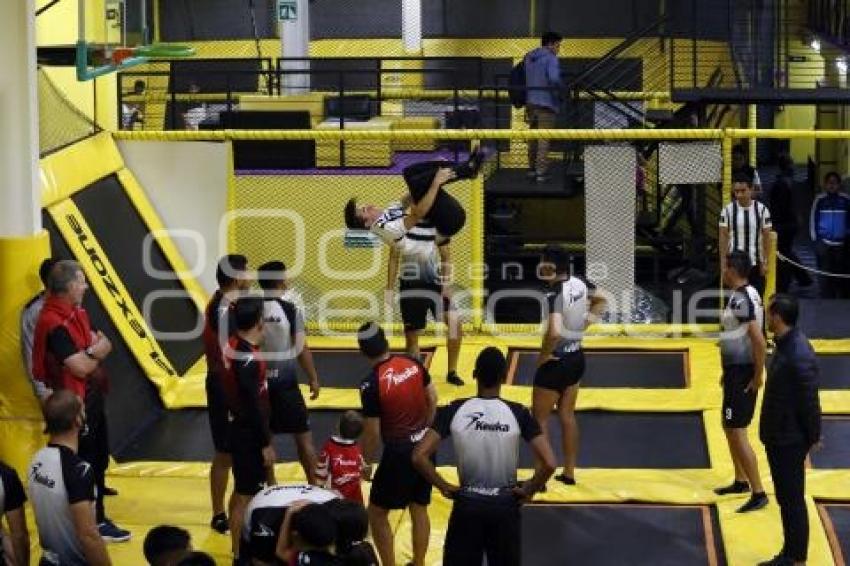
x,y
341,466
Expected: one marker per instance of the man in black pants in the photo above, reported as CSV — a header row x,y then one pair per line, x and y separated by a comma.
x,y
247,395
486,431
790,424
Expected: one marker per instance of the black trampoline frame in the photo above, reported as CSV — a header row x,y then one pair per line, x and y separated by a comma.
x,y
514,354
713,540
829,528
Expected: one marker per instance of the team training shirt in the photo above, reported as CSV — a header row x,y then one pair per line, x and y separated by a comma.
x,y
264,514
418,242
395,393
218,327
282,323
12,495
486,434
744,306
246,389
745,225
570,298
340,467
58,478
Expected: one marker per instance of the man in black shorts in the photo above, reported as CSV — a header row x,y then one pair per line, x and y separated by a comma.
x,y
399,402
560,365
423,289
742,353
247,397
284,343
232,277
486,432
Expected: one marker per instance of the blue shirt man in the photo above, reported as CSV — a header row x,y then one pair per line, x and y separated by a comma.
x,y
543,99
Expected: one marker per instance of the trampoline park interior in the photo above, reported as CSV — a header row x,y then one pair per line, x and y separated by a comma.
x,y
304,104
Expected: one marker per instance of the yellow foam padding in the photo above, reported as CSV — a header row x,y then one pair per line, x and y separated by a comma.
x,y
314,103
74,168
415,123
367,153
20,414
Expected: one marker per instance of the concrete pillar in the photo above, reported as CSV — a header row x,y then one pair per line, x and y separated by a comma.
x,y
411,26
22,242
20,211
294,28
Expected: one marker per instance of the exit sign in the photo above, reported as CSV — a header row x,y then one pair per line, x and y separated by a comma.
x,y
287,11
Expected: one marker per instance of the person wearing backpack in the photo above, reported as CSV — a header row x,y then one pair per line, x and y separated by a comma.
x,y
543,99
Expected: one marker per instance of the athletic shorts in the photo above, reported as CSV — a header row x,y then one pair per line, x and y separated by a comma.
x,y
560,373
249,473
288,410
218,413
483,524
417,302
397,484
738,405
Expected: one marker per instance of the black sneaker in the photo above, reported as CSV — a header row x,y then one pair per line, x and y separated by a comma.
x,y
454,379
734,487
109,532
778,560
754,503
470,169
565,479
220,524
109,492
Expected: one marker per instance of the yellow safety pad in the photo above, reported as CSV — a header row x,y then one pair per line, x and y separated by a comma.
x,y
74,168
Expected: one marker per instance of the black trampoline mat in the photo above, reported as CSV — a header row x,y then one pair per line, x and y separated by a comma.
x,y
836,521
121,232
620,535
609,440
344,368
614,368
835,431
834,371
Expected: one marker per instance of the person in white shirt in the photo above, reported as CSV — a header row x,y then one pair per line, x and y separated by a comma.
x,y
745,225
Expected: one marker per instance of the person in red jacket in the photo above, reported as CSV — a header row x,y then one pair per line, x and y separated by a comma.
x,y
68,353
341,465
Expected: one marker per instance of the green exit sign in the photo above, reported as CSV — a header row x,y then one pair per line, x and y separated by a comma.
x,y
287,11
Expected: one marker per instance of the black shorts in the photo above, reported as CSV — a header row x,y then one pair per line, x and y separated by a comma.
x,y
288,410
397,484
560,373
417,302
483,524
249,473
738,405
218,413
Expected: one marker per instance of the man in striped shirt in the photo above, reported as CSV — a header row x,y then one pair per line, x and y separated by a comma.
x,y
745,225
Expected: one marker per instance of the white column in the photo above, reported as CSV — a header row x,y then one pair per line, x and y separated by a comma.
x,y
294,27
20,210
411,26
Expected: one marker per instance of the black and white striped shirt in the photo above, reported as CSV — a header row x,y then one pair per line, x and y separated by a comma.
x,y
745,226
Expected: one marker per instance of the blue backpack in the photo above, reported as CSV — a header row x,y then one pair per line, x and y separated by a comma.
x,y
516,85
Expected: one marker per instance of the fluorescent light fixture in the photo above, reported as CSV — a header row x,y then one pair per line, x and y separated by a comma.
x,y
815,44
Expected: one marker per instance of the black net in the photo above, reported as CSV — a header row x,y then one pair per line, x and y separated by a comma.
x,y
60,123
